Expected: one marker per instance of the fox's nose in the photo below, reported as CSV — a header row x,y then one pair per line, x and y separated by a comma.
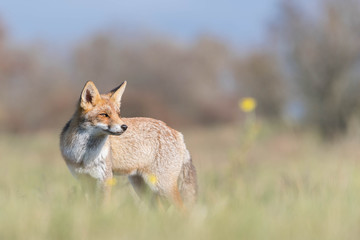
x,y
124,127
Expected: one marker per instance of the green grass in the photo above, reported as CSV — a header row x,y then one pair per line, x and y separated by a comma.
x,y
286,186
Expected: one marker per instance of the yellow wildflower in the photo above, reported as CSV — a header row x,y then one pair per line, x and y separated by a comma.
x,y
152,179
111,182
247,104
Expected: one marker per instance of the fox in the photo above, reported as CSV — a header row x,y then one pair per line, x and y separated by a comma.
x,y
98,144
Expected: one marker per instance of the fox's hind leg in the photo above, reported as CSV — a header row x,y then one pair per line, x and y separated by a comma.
x,y
139,185
175,197
169,195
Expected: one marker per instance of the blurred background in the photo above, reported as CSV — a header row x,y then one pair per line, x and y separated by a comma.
x,y
187,62
266,93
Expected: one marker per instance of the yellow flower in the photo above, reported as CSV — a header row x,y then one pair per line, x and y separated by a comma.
x,y
247,104
111,182
152,179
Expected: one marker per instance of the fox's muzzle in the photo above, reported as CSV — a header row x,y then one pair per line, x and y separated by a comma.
x,y
117,129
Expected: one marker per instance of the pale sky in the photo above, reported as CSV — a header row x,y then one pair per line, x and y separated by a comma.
x,y
242,23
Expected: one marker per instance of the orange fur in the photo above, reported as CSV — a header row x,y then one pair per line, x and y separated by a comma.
x,y
96,143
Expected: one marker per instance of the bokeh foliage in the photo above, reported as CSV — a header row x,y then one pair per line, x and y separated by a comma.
x,y
308,56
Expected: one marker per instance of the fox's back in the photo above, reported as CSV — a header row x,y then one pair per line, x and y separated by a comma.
x,y
145,143
97,143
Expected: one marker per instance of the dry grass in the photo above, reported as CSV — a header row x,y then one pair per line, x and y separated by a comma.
x,y
287,186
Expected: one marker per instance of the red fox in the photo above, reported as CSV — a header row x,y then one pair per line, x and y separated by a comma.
x,y
97,143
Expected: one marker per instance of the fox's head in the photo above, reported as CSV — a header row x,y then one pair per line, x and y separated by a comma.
x,y
101,113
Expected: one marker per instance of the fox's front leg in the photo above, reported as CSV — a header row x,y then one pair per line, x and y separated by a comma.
x,y
96,190
106,183
88,186
104,189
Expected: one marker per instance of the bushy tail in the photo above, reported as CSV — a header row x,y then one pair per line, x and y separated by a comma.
x,y
188,183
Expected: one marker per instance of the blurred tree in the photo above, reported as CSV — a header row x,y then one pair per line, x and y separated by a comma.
x,y
322,54
260,77
174,82
33,86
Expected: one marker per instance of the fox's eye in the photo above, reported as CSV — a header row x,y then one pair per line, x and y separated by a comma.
x,y
104,115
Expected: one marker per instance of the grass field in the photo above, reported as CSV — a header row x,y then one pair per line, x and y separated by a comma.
x,y
281,185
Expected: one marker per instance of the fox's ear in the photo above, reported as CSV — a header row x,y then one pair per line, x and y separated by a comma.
x,y
89,95
117,93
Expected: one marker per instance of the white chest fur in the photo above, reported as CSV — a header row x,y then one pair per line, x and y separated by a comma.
x,y
89,154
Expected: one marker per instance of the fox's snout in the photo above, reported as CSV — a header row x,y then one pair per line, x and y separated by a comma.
x,y
112,129
117,129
